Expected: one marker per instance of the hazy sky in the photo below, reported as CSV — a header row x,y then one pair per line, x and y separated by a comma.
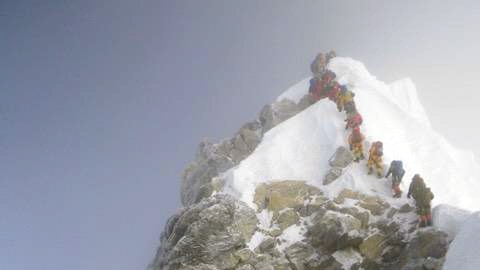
x,y
102,103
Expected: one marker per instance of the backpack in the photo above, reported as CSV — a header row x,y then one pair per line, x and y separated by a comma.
x,y
397,167
426,196
379,149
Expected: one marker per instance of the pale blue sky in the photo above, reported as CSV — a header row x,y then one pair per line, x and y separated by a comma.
x,y
102,103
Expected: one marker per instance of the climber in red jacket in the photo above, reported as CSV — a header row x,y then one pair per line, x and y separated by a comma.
x,y
332,91
316,89
353,120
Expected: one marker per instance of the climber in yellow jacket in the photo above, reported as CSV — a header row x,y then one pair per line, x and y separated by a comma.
x,y
375,162
345,97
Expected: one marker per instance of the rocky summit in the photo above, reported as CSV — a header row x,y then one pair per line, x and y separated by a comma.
x,y
239,215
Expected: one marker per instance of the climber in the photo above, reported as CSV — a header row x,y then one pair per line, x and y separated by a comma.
x,y
375,159
331,54
356,144
354,119
397,172
423,197
345,98
350,108
318,65
328,77
316,89
332,90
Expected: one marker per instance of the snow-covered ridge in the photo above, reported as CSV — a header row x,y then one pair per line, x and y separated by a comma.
x,y
300,147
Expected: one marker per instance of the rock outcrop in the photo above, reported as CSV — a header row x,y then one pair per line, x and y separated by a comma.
x,y
350,231
213,159
206,235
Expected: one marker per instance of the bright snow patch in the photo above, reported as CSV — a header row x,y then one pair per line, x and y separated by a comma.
x,y
449,218
300,147
347,257
256,240
463,253
291,235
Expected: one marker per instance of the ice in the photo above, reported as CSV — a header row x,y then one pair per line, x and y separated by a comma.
x,y
463,252
299,148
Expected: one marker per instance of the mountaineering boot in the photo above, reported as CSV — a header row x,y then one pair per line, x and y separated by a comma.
x,y
397,195
370,171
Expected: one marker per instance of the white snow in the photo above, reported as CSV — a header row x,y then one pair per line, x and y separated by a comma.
x,y
347,257
256,240
463,252
299,148
291,235
449,218
265,219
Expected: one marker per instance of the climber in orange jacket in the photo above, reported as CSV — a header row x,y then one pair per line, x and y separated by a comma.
x,y
355,140
375,159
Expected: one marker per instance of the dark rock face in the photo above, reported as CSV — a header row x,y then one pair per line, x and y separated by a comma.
x,y
275,113
213,234
429,242
333,231
206,235
213,159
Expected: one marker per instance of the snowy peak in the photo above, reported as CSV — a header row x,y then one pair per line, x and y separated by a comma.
x,y
300,147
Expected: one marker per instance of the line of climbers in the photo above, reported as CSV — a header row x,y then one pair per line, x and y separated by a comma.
x,y
323,85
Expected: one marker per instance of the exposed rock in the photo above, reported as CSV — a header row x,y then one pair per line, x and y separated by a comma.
x,y
209,232
315,204
406,208
299,254
287,218
197,177
266,246
268,262
305,102
275,232
218,183
201,266
245,267
244,142
333,174
325,262
341,158
373,246
347,194
363,216
244,255
374,204
392,212
331,231
426,243
277,112
279,195
424,264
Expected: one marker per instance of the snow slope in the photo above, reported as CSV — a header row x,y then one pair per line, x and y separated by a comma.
x,y
463,252
299,148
